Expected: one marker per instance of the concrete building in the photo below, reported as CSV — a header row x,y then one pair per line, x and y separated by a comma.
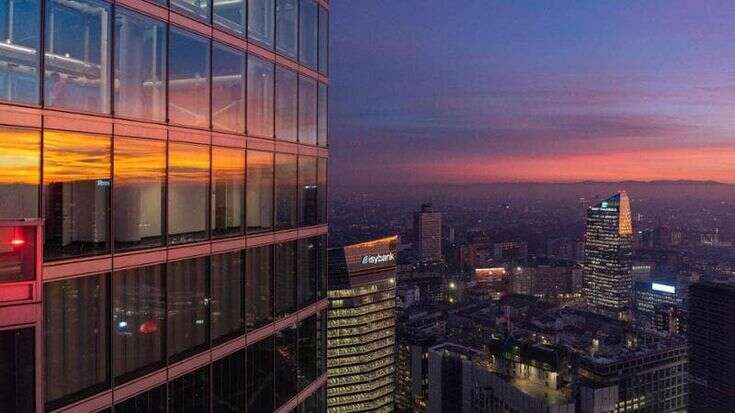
x,y
427,226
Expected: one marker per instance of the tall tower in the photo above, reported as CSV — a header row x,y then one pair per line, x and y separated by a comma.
x,y
608,250
427,224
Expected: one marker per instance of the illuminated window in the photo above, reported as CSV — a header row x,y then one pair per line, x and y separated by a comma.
x,y
76,182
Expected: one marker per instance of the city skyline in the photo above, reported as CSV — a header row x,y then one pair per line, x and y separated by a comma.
x,y
600,92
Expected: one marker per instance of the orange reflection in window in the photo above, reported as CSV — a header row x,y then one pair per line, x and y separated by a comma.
x,y
20,156
139,161
74,156
188,162
228,164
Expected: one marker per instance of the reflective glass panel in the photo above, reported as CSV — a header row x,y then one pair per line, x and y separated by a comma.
x,y
307,110
227,294
77,66
20,37
322,115
20,172
228,89
308,22
260,97
260,376
259,287
186,293
230,14
307,271
188,84
138,321
76,338
260,21
17,358
286,104
259,188
286,194
198,9
321,191
287,27
76,183
285,278
307,351
188,192
190,393
140,66
152,401
323,40
321,267
228,383
228,187
140,180
307,191
286,352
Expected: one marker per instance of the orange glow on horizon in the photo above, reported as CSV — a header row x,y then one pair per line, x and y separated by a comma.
x,y
701,164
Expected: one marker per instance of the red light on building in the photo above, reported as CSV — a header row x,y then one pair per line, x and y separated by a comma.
x,y
17,242
149,327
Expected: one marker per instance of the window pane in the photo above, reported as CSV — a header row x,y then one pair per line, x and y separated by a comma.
x,y
260,376
75,328
286,104
188,192
228,185
198,9
228,383
259,207
17,384
190,393
228,89
76,182
227,294
307,271
286,348
260,21
138,321
260,97
307,110
152,401
321,343
322,114
20,36
307,351
259,287
78,55
307,191
17,261
323,40
287,27
230,14
321,267
140,178
188,85
286,210
186,291
285,278
308,20
321,192
140,66
20,177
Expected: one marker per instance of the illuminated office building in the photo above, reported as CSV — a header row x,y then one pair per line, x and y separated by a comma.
x,y
176,151
361,327
427,225
608,256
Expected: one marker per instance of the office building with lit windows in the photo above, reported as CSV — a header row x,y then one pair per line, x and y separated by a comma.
x,y
361,327
608,256
163,205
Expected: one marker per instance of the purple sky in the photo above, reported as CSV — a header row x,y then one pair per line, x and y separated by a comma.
x,y
472,91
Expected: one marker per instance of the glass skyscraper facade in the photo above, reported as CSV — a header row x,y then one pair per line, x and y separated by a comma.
x,y
361,327
608,256
176,151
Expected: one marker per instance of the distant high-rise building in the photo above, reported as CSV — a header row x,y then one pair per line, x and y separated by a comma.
x,y
361,327
608,255
427,224
711,328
